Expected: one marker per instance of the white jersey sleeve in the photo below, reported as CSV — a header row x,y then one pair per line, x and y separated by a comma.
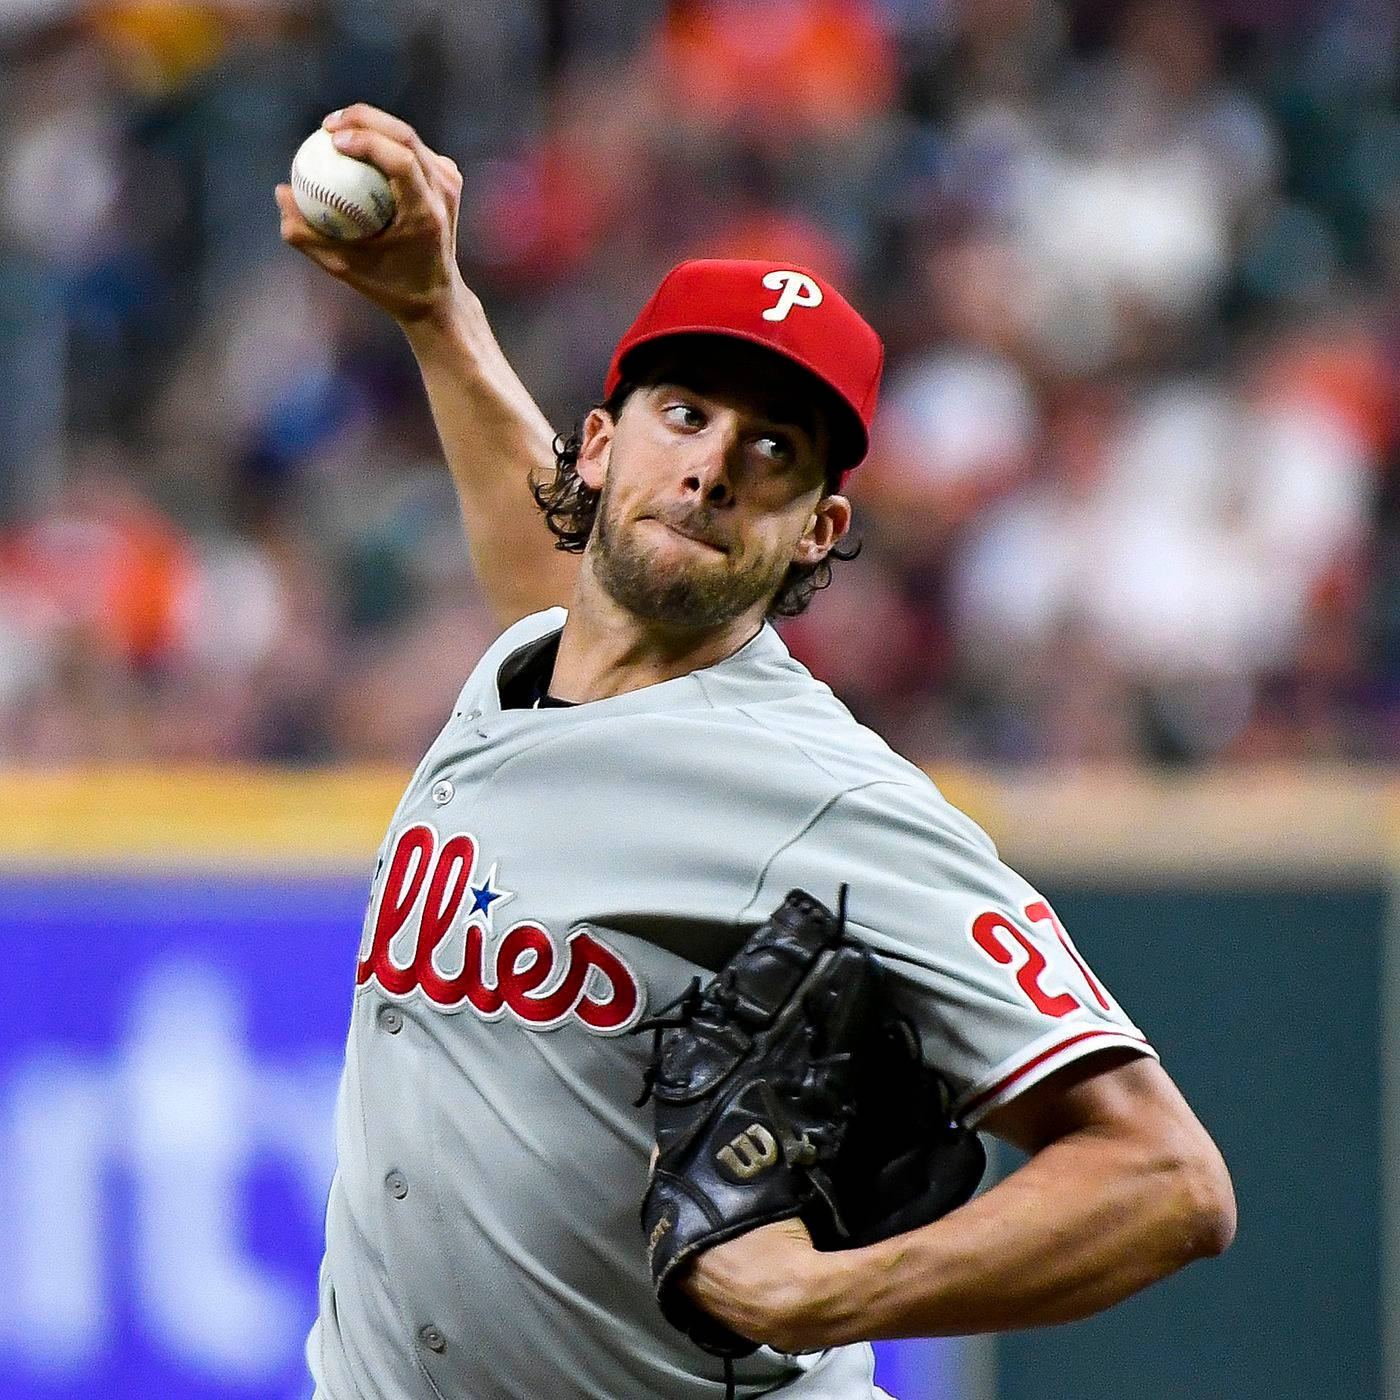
x,y
998,991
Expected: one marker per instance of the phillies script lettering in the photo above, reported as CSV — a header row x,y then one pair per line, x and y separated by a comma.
x,y
527,975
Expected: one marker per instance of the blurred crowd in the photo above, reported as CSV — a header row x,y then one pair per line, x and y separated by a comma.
x,y
1135,489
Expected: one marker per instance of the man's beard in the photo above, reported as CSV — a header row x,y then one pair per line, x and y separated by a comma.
x,y
665,592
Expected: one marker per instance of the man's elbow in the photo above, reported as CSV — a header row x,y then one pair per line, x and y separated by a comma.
x,y
1207,1200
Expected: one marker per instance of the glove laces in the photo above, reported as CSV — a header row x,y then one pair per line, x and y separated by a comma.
x,y
678,1012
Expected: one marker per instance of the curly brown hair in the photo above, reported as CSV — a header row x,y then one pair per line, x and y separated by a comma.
x,y
570,507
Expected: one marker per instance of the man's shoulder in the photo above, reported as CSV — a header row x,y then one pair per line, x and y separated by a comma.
x,y
774,692
788,713
848,789
814,721
866,781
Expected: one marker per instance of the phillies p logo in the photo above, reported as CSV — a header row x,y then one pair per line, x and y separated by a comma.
x,y
796,288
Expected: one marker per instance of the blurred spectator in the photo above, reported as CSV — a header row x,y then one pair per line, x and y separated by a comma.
x,y
1135,484
784,71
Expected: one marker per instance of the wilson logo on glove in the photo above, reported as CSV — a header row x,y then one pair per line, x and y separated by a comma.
x,y
749,1153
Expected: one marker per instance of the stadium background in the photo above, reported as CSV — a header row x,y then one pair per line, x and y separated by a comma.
x,y
1131,584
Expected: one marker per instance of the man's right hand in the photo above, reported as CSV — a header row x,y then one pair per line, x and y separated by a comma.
x,y
493,434
409,268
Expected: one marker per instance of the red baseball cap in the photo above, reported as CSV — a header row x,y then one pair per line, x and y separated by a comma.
x,y
786,309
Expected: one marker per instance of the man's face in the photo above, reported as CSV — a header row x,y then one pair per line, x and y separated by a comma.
x,y
713,485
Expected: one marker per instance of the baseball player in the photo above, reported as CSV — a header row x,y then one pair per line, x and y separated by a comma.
x,y
632,777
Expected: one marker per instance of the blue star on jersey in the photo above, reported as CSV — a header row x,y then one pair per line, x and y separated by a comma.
x,y
485,895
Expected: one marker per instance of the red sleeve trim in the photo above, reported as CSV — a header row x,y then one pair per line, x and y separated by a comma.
x,y
1001,1086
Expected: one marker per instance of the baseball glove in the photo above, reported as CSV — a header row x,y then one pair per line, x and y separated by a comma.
x,y
789,1086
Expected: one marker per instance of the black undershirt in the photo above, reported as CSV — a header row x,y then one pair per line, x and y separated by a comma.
x,y
524,677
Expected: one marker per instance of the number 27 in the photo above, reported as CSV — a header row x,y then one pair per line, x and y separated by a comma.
x,y
989,930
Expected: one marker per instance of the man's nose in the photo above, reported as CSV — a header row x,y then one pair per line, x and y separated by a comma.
x,y
710,473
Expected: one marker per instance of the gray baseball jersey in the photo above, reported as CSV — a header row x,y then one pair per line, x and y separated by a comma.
x,y
548,875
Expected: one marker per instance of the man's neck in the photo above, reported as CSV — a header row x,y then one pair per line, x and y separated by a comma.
x,y
605,650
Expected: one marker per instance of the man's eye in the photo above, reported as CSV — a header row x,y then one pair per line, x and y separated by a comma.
x,y
683,415
776,449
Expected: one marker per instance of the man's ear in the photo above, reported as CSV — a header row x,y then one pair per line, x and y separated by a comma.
x,y
595,449
831,519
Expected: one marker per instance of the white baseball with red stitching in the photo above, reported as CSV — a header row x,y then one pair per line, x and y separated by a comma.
x,y
339,196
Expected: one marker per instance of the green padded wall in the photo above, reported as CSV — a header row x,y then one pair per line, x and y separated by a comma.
x,y
1266,1008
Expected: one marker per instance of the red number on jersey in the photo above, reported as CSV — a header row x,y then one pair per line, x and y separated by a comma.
x,y
987,930
1041,912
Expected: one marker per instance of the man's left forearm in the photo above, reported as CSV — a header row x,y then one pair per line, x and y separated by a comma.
x,y
1079,1228
1123,1187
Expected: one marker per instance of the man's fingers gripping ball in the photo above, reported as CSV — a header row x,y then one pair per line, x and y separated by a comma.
x,y
339,195
420,178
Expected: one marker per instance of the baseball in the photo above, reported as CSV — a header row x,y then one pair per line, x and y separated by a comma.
x,y
339,196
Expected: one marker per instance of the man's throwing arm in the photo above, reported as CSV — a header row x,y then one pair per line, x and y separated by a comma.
x,y
493,433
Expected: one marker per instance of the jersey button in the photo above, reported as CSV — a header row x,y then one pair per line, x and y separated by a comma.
x,y
432,1338
396,1184
391,1019
442,791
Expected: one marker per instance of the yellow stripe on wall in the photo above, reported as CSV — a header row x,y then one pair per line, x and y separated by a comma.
x,y
206,818
1322,823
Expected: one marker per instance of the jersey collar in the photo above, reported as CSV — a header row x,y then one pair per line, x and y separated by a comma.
x,y
762,662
